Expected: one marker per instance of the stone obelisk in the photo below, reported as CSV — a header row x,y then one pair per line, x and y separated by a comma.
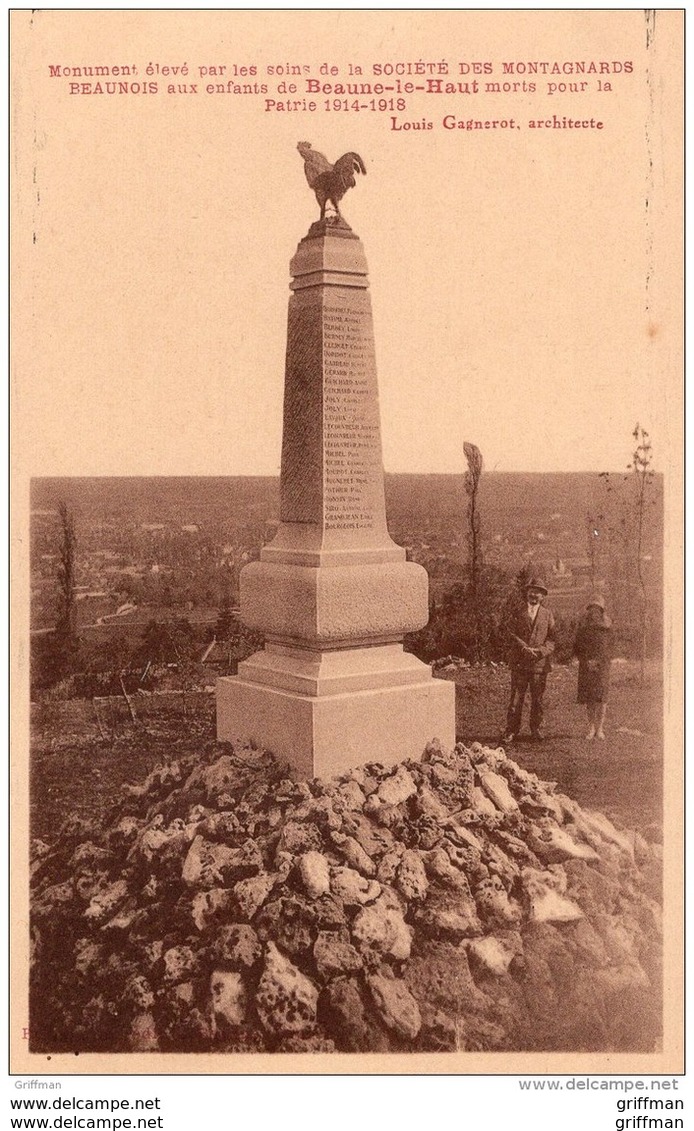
x,y
333,594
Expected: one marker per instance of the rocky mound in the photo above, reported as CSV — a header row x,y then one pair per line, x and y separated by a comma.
x,y
457,903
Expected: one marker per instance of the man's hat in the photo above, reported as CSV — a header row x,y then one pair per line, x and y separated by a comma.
x,y
597,599
536,583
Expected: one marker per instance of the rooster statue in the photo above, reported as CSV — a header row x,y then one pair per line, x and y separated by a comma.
x,y
330,182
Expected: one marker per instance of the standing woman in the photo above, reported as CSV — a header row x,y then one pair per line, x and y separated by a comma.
x,y
593,646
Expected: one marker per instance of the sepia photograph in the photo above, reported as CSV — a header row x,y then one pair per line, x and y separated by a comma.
x,y
347,487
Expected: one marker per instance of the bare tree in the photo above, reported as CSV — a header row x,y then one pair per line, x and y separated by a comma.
x,y
474,595
628,506
640,468
64,643
67,569
473,476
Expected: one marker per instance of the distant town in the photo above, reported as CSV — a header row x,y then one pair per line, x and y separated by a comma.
x,y
170,550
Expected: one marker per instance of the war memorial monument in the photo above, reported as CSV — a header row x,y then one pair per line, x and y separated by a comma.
x,y
332,593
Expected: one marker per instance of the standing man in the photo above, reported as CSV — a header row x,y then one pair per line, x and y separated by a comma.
x,y
531,637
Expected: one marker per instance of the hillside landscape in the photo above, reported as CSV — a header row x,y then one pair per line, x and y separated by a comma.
x,y
188,895
171,549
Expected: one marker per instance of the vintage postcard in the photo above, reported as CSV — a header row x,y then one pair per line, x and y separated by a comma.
x,y
347,581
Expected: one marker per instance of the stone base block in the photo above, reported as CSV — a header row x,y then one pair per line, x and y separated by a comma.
x,y
326,735
335,606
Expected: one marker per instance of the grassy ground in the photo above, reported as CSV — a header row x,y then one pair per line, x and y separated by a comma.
x,y
81,757
621,776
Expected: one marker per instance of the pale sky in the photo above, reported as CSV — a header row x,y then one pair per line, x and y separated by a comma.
x,y
524,298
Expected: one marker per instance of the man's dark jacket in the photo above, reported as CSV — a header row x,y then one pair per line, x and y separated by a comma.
x,y
536,634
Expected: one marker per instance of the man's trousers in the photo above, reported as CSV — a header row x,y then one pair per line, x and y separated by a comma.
x,y
522,680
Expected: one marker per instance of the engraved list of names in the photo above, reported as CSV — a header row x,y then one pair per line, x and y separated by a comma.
x,y
352,478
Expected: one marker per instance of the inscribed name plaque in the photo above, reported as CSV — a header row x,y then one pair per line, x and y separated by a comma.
x,y
333,594
351,429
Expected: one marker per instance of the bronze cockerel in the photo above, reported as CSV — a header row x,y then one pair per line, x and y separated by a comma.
x,y
330,182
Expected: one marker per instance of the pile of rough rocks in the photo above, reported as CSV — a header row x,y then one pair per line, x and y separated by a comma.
x,y
457,903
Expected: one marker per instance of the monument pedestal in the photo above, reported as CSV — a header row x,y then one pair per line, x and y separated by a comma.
x,y
333,594
365,705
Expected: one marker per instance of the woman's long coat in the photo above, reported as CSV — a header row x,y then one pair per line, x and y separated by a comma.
x,y
593,646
